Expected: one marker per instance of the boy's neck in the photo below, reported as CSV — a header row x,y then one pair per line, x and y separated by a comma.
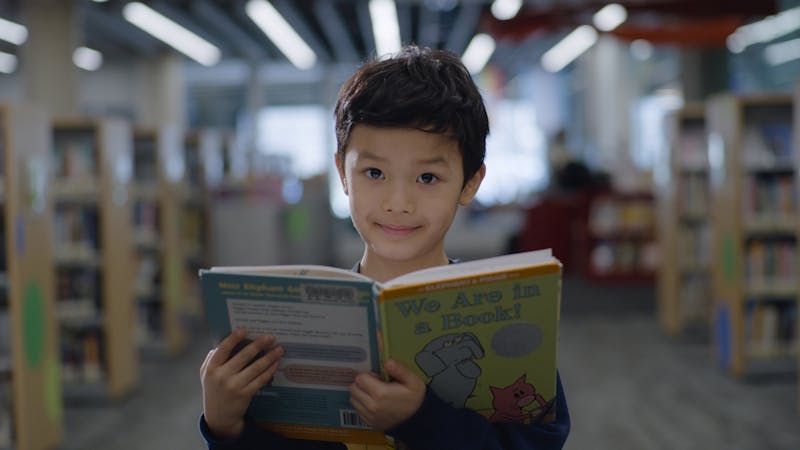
x,y
382,270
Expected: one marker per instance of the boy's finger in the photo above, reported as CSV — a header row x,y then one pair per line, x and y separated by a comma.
x,y
360,400
368,383
261,364
400,373
262,379
204,366
224,349
250,352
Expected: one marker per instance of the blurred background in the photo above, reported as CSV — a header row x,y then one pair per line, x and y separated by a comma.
x,y
652,144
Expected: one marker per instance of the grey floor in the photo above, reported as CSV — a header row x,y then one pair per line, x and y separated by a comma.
x,y
628,387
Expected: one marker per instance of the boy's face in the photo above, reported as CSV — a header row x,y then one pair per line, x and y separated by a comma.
x,y
405,186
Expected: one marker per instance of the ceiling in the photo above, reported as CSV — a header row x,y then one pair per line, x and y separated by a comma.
x,y
339,31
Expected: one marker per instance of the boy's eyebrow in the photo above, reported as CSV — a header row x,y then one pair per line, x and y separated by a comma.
x,y
368,155
433,160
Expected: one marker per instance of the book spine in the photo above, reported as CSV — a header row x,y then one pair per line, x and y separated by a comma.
x,y
380,322
383,349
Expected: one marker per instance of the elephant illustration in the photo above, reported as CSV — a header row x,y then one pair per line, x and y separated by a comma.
x,y
449,361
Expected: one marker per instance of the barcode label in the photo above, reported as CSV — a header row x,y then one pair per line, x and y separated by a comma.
x,y
349,418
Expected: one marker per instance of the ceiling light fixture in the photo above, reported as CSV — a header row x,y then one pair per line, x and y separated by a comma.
x,y
610,17
641,49
87,58
569,48
478,52
171,33
505,9
782,52
8,62
765,30
13,32
385,27
278,30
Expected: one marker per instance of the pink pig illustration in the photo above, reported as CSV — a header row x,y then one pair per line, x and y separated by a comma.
x,y
509,401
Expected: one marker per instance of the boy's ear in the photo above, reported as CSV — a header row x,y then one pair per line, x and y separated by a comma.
x,y
339,161
471,188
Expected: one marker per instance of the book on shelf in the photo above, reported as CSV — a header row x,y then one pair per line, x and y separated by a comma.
x,y
478,333
74,156
771,328
768,144
691,147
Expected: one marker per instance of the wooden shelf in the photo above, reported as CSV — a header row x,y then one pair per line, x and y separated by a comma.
x,y
29,279
683,278
94,199
620,239
205,165
796,143
755,283
159,292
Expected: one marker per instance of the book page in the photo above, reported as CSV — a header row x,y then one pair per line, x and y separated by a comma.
x,y
296,270
495,264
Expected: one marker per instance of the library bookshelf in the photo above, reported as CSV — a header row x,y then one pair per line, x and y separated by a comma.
x,y
796,143
235,166
753,171
31,416
684,273
158,286
94,254
620,238
204,161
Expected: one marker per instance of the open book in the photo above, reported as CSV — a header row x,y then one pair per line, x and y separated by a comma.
x,y
481,334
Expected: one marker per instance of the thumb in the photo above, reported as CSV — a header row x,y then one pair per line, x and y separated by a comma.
x,y
400,373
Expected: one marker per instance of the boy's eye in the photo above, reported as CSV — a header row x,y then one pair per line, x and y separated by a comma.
x,y
373,173
427,178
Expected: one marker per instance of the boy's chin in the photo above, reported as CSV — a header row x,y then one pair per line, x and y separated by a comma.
x,y
401,254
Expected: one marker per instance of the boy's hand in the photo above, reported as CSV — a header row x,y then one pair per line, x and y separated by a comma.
x,y
229,383
385,405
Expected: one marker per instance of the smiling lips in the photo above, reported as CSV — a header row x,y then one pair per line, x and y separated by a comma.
x,y
397,230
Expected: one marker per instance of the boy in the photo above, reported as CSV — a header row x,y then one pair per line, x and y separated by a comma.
x,y
411,134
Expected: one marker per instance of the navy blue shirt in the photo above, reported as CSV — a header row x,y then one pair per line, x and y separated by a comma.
x,y
435,426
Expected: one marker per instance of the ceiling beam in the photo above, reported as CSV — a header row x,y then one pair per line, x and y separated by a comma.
x,y
180,17
463,28
428,33
238,15
335,31
365,25
404,19
213,16
289,12
111,48
115,28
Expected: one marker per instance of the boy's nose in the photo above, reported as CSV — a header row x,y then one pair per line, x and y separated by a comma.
x,y
398,200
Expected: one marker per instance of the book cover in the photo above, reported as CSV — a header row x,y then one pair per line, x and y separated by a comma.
x,y
481,334
487,343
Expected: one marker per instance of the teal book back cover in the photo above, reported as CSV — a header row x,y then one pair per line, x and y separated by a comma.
x,y
327,328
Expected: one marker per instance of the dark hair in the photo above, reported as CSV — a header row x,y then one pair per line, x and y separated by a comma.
x,y
574,176
420,88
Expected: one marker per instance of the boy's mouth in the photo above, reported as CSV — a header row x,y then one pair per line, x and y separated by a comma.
x,y
397,230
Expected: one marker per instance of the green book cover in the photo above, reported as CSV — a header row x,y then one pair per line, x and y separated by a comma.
x,y
487,342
